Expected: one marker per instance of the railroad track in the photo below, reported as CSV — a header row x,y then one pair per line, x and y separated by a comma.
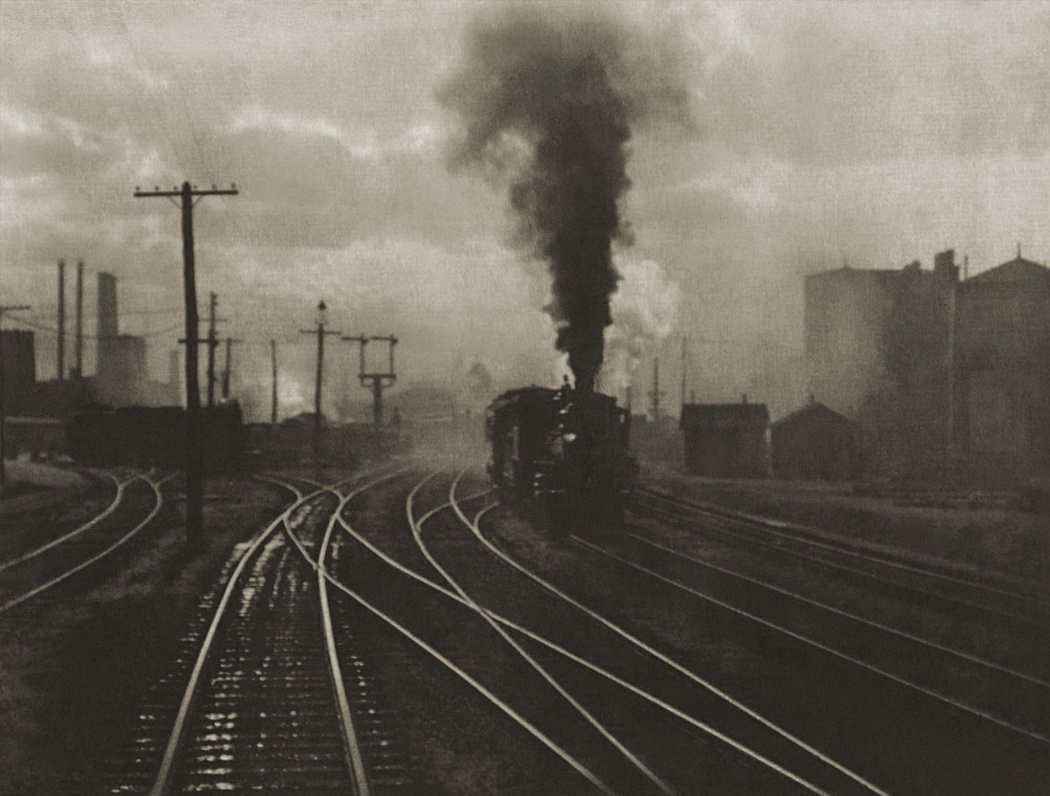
x,y
435,645
990,704
993,594
645,727
264,690
1013,646
25,577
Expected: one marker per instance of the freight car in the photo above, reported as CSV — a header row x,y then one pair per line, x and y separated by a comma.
x,y
563,452
143,436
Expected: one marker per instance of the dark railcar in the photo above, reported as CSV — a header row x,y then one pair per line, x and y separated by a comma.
x,y
561,451
152,436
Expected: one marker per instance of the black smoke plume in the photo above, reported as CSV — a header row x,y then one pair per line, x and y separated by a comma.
x,y
547,107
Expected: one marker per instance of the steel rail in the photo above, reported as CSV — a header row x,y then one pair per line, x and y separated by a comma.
x,y
434,653
117,498
692,676
846,614
807,536
159,498
355,759
817,645
850,570
162,781
416,526
757,757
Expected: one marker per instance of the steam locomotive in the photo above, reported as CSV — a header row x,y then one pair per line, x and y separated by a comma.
x,y
563,452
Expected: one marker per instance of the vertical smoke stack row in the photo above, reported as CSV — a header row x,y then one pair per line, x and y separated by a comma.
x,y
61,320
80,321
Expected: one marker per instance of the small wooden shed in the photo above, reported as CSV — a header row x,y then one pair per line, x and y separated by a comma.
x,y
816,443
726,440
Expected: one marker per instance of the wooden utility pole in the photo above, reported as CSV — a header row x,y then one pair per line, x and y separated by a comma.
x,y
3,415
226,371
273,394
194,426
320,332
213,300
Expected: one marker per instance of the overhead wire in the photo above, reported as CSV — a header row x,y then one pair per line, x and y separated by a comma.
x,y
41,327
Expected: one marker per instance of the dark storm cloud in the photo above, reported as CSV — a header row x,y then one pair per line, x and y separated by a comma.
x,y
547,106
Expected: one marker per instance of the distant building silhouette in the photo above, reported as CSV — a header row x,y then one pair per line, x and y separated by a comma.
x,y
120,373
1001,378
876,349
726,440
816,443
938,374
19,371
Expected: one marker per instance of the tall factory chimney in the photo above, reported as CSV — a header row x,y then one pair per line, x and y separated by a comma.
x,y
80,320
61,319
107,319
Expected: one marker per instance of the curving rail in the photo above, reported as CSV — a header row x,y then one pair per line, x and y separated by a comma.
x,y
567,654
450,665
676,666
155,485
117,499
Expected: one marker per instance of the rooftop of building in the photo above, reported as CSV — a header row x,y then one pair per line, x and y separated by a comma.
x,y
812,409
1016,270
723,415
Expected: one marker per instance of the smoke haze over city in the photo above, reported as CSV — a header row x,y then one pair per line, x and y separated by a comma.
x,y
802,136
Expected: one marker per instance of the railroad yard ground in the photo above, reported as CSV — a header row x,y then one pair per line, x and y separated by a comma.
x,y
68,685
973,530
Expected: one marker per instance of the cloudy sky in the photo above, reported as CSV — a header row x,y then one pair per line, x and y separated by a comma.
x,y
877,133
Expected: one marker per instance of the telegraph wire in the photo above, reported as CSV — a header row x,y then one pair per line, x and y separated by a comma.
x,y
41,327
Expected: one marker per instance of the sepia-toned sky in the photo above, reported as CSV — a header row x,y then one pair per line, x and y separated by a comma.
x,y
821,132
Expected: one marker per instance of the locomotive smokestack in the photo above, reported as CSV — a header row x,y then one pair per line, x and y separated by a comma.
x,y
547,107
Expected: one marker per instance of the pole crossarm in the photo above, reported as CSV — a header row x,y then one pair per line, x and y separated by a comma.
x,y
231,191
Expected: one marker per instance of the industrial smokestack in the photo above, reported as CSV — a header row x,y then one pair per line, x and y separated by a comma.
x,y
107,320
61,320
80,320
547,107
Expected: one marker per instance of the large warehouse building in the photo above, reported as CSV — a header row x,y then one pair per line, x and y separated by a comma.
x,y
936,372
